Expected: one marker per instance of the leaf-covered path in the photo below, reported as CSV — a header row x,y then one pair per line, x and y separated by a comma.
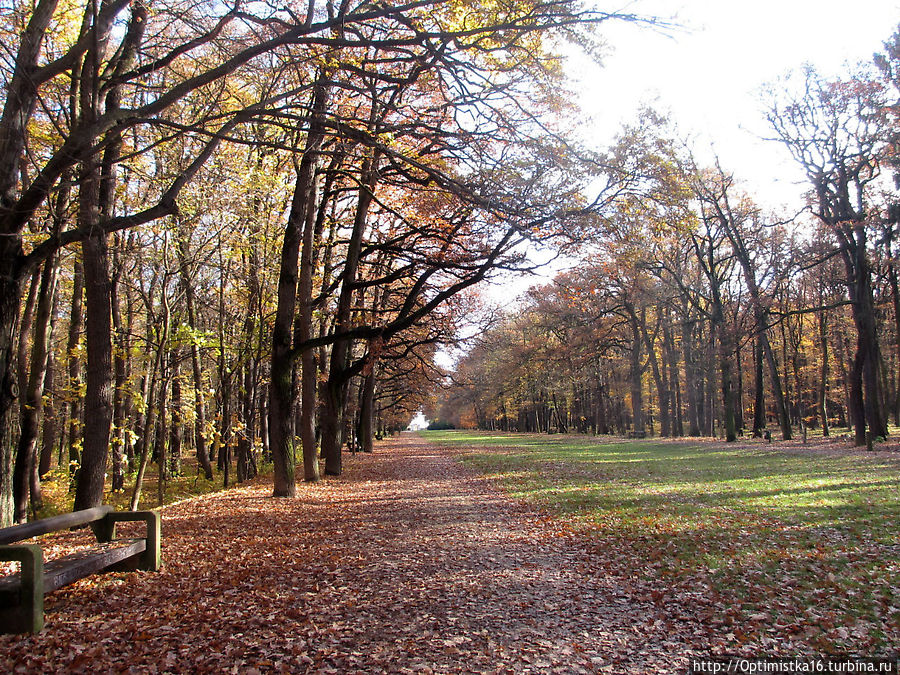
x,y
408,563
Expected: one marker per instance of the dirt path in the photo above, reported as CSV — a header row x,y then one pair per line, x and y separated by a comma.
x,y
408,563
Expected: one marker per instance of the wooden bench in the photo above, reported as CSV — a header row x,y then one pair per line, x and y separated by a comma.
x,y
22,594
637,434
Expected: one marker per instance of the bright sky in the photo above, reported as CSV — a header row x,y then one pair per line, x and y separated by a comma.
x,y
707,76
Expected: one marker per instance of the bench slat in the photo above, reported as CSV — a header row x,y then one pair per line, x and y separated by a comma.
x,y
10,535
65,570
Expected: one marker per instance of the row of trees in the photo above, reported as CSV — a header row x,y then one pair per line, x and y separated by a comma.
x,y
696,312
236,229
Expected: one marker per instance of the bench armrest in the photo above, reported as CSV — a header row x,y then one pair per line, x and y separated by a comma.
x,y
151,557
27,614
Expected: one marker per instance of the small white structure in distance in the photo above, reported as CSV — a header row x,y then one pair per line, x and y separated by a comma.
x,y
418,422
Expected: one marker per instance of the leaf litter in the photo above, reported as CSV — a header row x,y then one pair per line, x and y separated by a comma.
x,y
409,563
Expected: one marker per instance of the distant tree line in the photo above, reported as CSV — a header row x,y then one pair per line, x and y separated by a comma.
x,y
697,312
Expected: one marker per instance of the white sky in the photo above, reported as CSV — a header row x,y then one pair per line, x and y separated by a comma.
x,y
707,76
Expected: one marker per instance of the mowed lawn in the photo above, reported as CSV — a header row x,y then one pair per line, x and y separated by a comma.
x,y
784,548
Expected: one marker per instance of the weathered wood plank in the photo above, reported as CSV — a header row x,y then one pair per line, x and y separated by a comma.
x,y
58,573
22,604
10,535
65,570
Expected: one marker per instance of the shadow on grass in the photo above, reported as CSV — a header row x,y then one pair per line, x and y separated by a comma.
x,y
807,540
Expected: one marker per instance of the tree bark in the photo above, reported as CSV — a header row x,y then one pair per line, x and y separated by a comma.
x,y
50,435
98,400
281,390
176,427
662,389
303,332
636,372
336,388
18,108
759,401
866,402
691,377
120,369
159,443
895,299
823,371
96,198
34,396
73,369
10,296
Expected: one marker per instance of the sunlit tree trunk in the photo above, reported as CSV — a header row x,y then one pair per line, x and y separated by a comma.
x,y
18,106
120,374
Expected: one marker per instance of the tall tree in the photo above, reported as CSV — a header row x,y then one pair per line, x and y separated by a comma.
x,y
833,130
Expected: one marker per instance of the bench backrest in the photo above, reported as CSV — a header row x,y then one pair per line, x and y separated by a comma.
x,y
10,535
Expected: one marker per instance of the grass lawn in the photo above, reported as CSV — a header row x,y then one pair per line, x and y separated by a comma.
x,y
780,546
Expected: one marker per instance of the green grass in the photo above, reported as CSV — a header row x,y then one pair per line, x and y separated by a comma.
x,y
799,545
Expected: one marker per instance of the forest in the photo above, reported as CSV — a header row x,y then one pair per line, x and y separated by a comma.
x,y
240,233
696,311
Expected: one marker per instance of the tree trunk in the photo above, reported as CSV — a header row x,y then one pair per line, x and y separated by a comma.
x,y
120,369
662,389
281,391
226,372
690,377
98,403
759,402
781,407
50,436
10,295
866,402
73,369
636,372
18,107
159,443
245,438
176,430
336,389
144,446
21,467
728,394
823,371
225,430
97,198
761,316
867,341
34,396
367,413
895,298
